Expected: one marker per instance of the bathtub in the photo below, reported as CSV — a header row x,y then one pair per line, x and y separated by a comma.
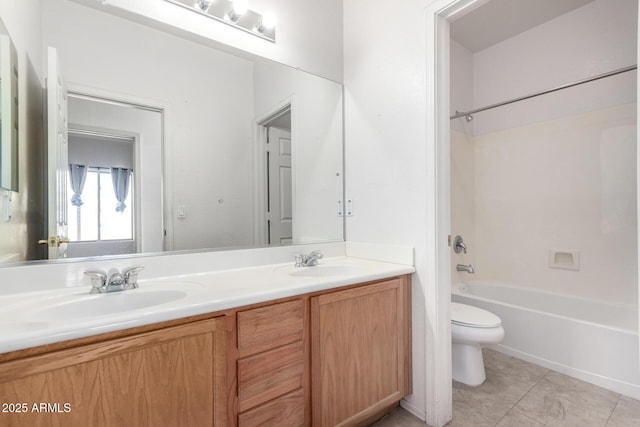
x,y
586,339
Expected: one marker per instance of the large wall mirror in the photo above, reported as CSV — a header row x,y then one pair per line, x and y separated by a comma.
x,y
164,144
8,112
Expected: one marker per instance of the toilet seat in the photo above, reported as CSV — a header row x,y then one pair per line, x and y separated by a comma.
x,y
473,317
472,328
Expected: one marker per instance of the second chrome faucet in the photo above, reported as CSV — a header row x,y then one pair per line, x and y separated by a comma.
x,y
113,281
308,260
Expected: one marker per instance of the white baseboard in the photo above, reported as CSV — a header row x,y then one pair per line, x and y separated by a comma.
x,y
413,410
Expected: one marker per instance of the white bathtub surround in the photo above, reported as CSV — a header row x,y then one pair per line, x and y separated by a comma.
x,y
583,203
587,339
35,306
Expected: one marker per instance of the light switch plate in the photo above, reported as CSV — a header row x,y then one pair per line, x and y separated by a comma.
x,y
182,211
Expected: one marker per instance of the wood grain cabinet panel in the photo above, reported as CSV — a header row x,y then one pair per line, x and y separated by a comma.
x,y
268,327
360,352
265,376
285,411
169,377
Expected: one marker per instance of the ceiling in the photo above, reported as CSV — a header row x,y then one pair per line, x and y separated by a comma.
x,y
499,20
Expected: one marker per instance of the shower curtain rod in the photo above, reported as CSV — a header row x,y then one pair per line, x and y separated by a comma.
x,y
533,95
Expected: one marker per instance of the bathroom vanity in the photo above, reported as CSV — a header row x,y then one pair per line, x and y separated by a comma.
x,y
335,351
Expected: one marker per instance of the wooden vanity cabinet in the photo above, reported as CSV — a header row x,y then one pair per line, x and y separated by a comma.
x,y
168,377
335,357
361,352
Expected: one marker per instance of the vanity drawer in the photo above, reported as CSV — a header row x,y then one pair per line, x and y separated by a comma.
x,y
265,376
285,411
269,327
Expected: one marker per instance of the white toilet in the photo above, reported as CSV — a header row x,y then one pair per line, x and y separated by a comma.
x,y
471,328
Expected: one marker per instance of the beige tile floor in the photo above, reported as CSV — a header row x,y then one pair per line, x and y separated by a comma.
x,y
520,394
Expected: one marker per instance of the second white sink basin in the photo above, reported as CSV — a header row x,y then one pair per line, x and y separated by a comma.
x,y
325,270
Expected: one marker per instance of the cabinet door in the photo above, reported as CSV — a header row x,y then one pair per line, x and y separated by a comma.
x,y
360,352
169,377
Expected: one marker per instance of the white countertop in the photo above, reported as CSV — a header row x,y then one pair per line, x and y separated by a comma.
x,y
29,319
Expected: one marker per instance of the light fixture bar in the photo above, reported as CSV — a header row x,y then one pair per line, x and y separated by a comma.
x,y
223,11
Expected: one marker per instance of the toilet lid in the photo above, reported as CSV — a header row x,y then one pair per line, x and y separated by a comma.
x,y
467,315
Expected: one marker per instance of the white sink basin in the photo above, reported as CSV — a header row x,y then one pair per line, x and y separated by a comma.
x,y
85,305
325,270
114,302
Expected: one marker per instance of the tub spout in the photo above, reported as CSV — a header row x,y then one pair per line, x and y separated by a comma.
x,y
468,268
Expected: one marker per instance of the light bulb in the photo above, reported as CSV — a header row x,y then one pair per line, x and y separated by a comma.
x,y
239,7
269,21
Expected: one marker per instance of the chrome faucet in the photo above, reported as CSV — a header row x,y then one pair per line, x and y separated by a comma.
x,y
308,260
468,268
114,281
459,245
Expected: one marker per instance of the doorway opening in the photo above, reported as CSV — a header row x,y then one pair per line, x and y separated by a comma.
x,y
119,143
443,85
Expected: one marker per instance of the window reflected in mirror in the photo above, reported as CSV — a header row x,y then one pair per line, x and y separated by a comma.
x,y
96,218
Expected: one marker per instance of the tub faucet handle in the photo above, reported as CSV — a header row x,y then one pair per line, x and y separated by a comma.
x,y
458,245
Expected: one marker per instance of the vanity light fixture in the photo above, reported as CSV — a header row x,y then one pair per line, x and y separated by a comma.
x,y
234,13
203,5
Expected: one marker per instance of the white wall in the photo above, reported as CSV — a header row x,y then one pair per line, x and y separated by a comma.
x,y
602,37
20,234
559,171
308,33
386,166
209,95
101,152
317,138
461,92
